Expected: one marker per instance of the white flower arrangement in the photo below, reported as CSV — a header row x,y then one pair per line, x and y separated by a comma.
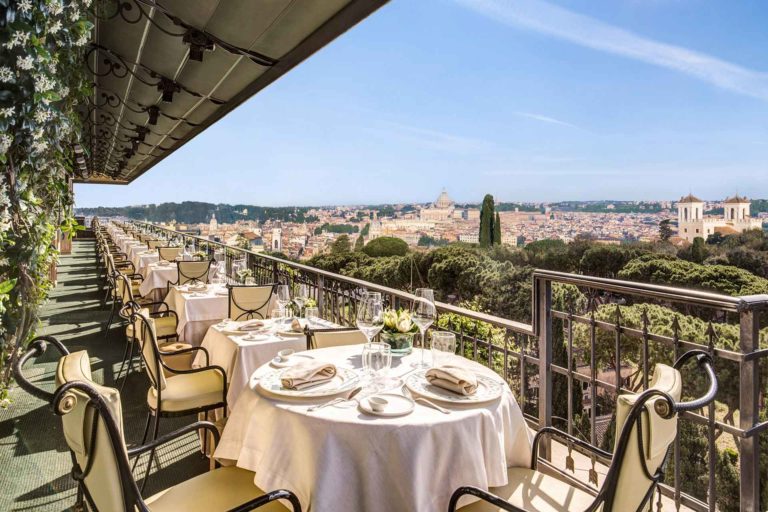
x,y
398,321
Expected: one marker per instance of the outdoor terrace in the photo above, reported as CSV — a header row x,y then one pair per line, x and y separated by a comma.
x,y
524,354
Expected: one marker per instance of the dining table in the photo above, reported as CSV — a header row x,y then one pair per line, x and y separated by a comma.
x,y
141,259
157,275
197,310
242,351
345,457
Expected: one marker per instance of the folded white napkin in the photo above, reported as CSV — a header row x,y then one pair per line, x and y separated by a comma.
x,y
310,373
453,378
296,325
251,325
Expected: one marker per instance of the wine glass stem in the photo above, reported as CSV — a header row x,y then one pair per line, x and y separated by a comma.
x,y
423,345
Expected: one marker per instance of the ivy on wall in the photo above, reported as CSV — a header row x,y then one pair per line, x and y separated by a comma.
x,y
43,86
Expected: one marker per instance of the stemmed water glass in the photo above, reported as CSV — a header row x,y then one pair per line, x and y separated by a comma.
x,y
423,314
370,315
283,297
301,296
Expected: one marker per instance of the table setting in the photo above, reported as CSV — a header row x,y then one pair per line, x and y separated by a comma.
x,y
197,306
344,418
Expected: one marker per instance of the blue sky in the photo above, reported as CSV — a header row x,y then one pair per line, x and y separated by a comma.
x,y
525,99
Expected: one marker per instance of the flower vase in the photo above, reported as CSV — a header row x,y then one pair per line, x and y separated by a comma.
x,y
400,343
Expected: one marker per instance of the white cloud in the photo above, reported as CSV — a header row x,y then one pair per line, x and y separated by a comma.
x,y
545,119
555,21
434,139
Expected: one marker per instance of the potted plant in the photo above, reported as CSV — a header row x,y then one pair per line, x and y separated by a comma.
x,y
246,276
398,331
199,256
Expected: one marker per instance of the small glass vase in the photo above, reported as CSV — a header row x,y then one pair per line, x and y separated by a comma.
x,y
400,343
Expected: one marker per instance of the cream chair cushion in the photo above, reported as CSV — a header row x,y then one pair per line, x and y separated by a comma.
x,y
189,391
220,489
338,338
165,327
658,434
534,491
103,479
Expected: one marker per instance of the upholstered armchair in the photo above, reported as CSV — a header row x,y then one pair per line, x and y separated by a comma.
x,y
92,423
249,301
646,426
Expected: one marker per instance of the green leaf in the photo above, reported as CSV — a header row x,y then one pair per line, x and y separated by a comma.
x,y
7,286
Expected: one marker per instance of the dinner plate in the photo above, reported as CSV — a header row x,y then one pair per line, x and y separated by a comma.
x,y
344,380
286,334
397,405
488,389
294,359
255,337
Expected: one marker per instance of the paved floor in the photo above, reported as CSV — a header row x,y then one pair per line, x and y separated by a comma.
x,y
34,460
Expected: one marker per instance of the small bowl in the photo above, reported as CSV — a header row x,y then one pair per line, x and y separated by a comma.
x,y
284,354
377,403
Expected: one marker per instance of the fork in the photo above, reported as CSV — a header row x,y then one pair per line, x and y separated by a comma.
x,y
424,401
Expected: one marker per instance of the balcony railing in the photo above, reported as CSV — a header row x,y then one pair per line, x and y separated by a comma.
x,y
612,331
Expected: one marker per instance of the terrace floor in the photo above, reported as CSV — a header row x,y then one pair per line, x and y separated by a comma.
x,y
34,460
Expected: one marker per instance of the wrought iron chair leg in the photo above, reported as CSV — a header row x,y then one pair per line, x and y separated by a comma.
x,y
109,322
122,365
155,434
143,439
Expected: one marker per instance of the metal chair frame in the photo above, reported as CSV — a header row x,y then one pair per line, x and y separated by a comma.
x,y
667,407
248,313
190,279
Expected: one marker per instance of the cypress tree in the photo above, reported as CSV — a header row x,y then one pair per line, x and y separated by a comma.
x,y
486,221
359,244
497,230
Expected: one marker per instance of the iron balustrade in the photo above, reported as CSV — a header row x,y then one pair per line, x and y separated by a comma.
x,y
523,354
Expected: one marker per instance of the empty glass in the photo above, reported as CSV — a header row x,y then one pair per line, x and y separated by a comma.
x,y
312,314
370,315
423,314
443,347
377,360
301,296
278,318
283,295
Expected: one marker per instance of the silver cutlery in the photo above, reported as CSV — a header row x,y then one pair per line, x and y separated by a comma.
x,y
349,396
424,401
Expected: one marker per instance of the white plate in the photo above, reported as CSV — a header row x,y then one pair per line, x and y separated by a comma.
x,y
344,380
488,390
294,359
397,405
290,334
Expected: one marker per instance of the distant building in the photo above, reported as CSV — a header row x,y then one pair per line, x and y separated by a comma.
x,y
442,209
692,223
469,238
277,239
213,226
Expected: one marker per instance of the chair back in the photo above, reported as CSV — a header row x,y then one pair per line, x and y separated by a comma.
x,y
154,244
643,438
168,253
249,301
92,421
193,271
322,338
145,333
124,288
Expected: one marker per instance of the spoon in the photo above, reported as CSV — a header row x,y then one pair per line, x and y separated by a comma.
x,y
349,396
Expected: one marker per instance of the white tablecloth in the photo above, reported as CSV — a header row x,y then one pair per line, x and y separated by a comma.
x,y
197,314
338,458
240,358
156,277
142,259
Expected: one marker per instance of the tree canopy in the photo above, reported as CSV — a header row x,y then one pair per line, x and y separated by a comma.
x,y
386,246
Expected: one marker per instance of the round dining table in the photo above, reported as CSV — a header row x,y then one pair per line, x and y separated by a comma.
x,y
342,458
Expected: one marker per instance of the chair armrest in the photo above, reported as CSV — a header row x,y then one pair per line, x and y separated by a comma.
x,y
159,303
496,501
186,350
36,348
198,425
567,437
137,277
268,498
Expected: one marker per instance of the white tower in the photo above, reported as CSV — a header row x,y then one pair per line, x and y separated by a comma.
x,y
213,226
277,239
690,209
736,209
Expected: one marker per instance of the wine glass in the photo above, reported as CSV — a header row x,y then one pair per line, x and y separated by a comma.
x,y
370,315
283,295
312,314
301,296
423,314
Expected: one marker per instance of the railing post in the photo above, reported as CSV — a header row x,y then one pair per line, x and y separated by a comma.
x,y
275,273
321,295
543,315
749,390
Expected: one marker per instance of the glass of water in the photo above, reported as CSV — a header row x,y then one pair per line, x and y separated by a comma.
x,y
312,314
443,347
377,360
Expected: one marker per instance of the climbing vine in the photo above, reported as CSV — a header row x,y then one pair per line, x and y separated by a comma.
x,y
43,85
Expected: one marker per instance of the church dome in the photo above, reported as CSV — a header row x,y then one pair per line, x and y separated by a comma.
x,y
736,200
444,201
690,198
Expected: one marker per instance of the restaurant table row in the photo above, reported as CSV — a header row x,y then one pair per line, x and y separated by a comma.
x,y
346,457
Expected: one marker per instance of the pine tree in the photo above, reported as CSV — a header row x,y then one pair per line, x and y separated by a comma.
x,y
497,230
486,221
665,229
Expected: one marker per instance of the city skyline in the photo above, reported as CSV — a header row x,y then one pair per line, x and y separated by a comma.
x,y
662,96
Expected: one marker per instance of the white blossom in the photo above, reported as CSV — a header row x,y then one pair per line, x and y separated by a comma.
x,y
55,7
38,134
55,27
44,83
64,91
42,115
18,38
25,63
25,5
7,75
5,142
74,15
7,112
39,146
82,40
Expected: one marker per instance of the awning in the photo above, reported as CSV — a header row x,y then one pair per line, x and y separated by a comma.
x,y
165,71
